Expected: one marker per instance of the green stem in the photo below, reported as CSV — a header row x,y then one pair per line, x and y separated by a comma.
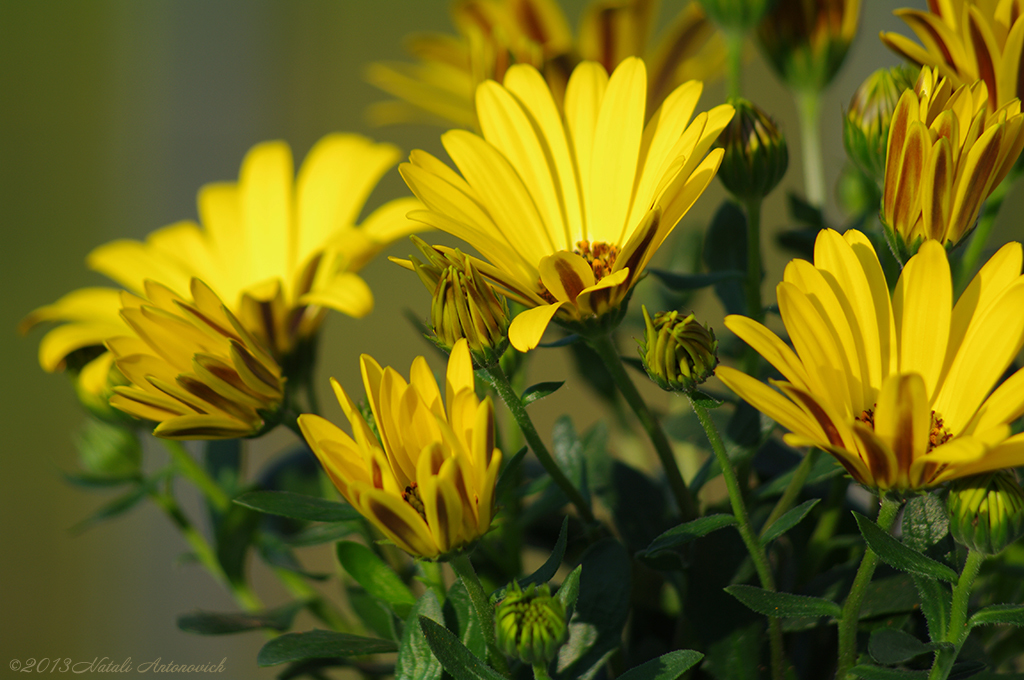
x,y
605,348
750,539
792,492
540,672
808,104
958,629
755,308
484,610
734,45
195,473
515,405
851,609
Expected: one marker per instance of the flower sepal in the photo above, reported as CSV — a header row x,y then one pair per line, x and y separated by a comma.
x,y
678,352
986,512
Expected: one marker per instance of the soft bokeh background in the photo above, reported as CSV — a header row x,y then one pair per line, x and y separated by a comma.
x,y
112,115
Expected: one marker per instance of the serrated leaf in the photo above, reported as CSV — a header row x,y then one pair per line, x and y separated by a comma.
x,y
320,644
899,556
453,655
879,673
684,533
889,646
376,577
788,520
936,601
925,522
415,660
1004,614
226,623
539,391
297,506
783,605
666,667
679,282
547,570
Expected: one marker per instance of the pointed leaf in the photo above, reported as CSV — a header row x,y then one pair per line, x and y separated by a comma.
x,y
925,522
506,476
666,667
547,570
782,605
373,574
220,623
453,655
569,591
936,601
320,644
788,520
297,506
461,618
890,646
539,391
684,533
415,660
899,556
1004,614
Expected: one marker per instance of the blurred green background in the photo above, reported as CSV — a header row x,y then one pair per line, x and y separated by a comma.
x,y
113,114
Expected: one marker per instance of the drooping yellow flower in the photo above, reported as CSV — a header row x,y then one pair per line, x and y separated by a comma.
x,y
968,40
945,155
277,250
428,482
900,389
807,40
192,367
494,34
569,209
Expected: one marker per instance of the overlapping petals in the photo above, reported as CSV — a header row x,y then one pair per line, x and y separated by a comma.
x,y
428,482
966,41
192,366
946,153
900,389
568,209
277,250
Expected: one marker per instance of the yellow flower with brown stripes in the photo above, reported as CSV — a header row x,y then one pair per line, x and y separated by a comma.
x,y
945,155
428,481
568,209
192,366
966,41
899,389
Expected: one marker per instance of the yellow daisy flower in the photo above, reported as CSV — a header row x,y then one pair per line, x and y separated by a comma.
x,y
900,389
569,209
428,482
494,34
945,155
192,366
277,250
968,40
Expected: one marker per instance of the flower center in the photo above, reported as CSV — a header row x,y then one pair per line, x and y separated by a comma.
x,y
937,435
411,495
599,255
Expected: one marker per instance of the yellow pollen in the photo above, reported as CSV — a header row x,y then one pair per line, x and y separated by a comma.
x,y
599,255
411,495
937,435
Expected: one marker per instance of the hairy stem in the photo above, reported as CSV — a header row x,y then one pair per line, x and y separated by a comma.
x,y
958,630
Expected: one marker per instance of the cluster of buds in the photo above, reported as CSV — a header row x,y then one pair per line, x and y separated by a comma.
x,y
677,351
986,512
756,156
464,305
866,124
530,624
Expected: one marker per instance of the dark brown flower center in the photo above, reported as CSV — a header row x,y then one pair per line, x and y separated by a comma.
x,y
937,435
411,495
599,255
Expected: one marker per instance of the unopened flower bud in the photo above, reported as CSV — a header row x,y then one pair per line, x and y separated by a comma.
x,y
678,352
530,624
756,156
987,511
866,125
736,15
806,42
464,305
108,450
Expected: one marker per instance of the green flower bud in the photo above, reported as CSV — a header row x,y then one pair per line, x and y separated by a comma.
x,y
678,352
108,450
866,125
736,15
806,41
986,512
530,624
756,156
464,305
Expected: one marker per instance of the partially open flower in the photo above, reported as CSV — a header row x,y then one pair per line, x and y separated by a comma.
x,y
987,512
428,482
530,624
866,124
807,40
678,352
192,367
756,156
946,153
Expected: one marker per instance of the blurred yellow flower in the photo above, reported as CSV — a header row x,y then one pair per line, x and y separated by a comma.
x,y
807,40
945,155
968,40
277,250
569,210
428,482
494,34
900,389
192,367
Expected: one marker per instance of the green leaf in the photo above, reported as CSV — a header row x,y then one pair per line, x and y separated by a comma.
x,y
878,673
217,623
297,506
736,655
121,504
706,400
507,473
318,534
684,533
567,450
320,644
936,601
804,212
788,520
539,391
569,591
415,660
725,250
998,614
890,595
373,574
460,617
666,667
968,669
782,605
235,532
547,570
899,556
453,655
925,522
824,468
680,282
889,646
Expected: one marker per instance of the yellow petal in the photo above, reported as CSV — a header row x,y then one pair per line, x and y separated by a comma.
x,y
566,275
345,292
460,372
202,427
583,96
399,522
922,306
528,327
772,404
265,185
903,422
